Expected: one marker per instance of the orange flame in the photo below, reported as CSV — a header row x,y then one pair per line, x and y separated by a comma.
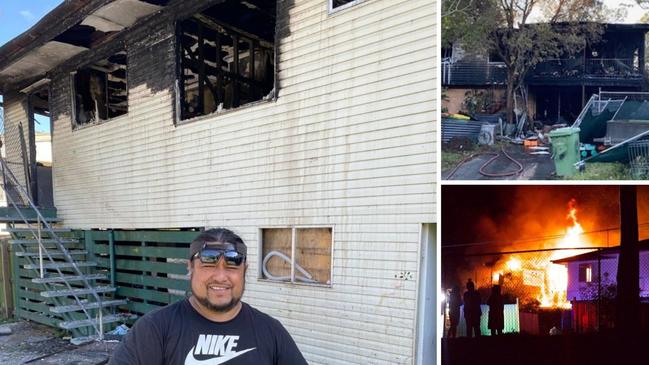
x,y
553,293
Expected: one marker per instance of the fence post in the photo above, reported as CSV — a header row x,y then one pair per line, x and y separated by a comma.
x,y
599,288
15,279
7,290
111,253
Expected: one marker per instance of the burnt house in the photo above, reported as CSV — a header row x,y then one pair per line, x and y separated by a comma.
x,y
559,89
306,126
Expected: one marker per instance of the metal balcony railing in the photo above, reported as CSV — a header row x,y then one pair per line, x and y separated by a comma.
x,y
473,73
587,68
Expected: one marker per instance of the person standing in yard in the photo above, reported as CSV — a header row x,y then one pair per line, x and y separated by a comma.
x,y
496,311
472,311
454,304
212,326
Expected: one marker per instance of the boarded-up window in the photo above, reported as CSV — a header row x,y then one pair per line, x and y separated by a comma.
x,y
300,255
100,90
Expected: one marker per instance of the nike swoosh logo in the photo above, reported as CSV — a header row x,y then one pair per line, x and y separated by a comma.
x,y
191,360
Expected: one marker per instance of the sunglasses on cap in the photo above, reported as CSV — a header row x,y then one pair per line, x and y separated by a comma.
x,y
213,255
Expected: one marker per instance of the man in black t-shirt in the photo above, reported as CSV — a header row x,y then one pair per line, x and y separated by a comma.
x,y
212,326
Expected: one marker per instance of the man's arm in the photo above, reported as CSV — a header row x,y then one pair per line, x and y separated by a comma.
x,y
141,345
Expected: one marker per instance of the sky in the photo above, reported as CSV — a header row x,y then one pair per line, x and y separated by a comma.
x,y
18,16
634,12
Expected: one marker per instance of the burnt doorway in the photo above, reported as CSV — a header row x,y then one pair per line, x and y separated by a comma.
x,y
558,104
40,148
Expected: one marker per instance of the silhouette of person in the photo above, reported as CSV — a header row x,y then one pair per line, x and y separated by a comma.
x,y
496,311
472,311
454,304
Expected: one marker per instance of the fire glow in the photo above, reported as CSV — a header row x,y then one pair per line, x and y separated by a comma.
x,y
550,279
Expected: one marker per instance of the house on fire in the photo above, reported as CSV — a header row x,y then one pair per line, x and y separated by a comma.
x,y
558,89
592,286
307,126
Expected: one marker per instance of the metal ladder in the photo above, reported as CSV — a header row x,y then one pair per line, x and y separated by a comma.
x,y
76,296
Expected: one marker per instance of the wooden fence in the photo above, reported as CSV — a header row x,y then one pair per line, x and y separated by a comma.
x,y
6,291
149,268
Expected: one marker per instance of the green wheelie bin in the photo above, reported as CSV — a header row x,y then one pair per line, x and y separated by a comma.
x,y
565,150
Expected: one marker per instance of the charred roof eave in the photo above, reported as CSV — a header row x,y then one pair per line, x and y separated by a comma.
x,y
75,26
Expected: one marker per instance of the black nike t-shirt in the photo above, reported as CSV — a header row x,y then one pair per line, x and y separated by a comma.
x,y
178,335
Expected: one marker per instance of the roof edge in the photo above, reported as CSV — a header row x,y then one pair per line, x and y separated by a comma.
x,y
57,21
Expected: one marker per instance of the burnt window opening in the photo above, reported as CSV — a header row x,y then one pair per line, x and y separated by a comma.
x,y
100,90
40,145
40,102
227,57
494,57
335,4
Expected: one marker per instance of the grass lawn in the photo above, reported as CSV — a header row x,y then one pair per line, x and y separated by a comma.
x,y
604,171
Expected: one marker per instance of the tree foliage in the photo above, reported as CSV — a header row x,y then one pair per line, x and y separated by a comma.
x,y
468,22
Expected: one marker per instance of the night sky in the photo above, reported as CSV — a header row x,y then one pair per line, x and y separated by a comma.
x,y
479,213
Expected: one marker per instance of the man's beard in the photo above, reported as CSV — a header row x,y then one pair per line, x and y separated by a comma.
x,y
217,308
222,308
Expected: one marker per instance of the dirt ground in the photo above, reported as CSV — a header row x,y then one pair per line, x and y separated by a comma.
x,y
31,343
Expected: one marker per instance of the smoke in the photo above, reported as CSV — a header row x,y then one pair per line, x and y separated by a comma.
x,y
535,214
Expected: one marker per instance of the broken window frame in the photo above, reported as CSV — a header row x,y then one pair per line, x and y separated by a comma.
x,y
293,281
73,87
349,4
254,43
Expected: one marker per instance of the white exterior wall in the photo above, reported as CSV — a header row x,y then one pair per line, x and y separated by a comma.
x,y
349,143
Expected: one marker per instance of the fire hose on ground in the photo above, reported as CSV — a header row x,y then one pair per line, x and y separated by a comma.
x,y
482,169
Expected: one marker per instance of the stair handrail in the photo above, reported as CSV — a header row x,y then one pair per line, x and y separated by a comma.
x,y
6,172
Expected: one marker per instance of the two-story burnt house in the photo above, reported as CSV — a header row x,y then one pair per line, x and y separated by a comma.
x,y
558,89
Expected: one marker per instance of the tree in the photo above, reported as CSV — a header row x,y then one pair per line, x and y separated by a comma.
x,y
567,28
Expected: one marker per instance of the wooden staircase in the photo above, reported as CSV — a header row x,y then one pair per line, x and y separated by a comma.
x,y
71,288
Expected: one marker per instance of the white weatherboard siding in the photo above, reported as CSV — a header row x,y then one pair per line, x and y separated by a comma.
x,y
349,143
